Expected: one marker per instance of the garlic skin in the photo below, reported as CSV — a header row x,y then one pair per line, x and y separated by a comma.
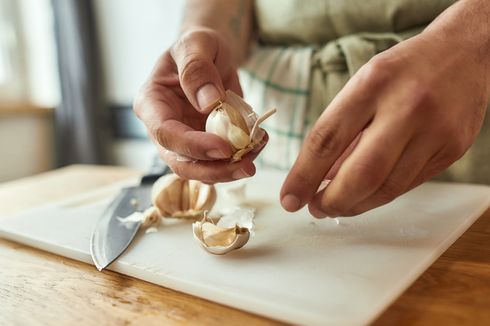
x,y
176,197
149,218
218,240
232,231
235,121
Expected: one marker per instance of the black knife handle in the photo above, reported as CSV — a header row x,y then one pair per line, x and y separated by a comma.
x,y
158,169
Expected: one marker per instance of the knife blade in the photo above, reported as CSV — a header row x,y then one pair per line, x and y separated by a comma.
x,y
111,236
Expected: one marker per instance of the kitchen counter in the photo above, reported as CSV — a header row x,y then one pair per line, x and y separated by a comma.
x,y
41,288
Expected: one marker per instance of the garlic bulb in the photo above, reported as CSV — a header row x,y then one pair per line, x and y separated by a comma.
x,y
219,240
235,121
176,197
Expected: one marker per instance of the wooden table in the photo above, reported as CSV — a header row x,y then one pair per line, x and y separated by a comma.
x,y
41,288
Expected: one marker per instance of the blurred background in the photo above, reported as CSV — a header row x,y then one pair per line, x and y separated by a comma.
x,y
69,70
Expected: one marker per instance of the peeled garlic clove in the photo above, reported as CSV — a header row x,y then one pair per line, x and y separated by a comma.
x,y
176,197
218,240
234,121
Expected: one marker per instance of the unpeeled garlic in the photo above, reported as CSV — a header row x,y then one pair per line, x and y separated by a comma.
x,y
176,197
235,121
219,240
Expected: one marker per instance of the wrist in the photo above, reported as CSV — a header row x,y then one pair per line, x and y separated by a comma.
x,y
464,30
231,20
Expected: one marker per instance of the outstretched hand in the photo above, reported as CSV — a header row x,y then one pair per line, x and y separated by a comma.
x,y
405,116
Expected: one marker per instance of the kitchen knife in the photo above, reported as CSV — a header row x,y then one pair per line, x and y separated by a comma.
x,y
111,236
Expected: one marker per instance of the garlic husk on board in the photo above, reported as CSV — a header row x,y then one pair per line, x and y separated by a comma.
x,y
219,240
149,218
235,121
173,196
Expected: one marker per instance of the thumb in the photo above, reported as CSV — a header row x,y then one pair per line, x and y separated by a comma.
x,y
196,57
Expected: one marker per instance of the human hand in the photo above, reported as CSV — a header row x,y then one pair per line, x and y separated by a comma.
x,y
406,116
175,101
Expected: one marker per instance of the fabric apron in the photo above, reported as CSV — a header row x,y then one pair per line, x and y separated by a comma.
x,y
307,51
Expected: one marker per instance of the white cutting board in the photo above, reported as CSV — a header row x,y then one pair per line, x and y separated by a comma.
x,y
295,269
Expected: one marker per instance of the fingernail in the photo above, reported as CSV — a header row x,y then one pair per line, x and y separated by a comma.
x,y
317,213
240,174
290,203
216,154
207,95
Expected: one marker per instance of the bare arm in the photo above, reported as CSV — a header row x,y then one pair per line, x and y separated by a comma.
x,y
466,26
232,19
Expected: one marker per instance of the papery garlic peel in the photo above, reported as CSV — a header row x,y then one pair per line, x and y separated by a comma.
x,y
218,240
173,196
235,121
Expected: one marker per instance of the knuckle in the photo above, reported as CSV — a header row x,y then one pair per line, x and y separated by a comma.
x,y
193,69
160,135
390,190
456,149
334,208
323,142
366,174
377,72
420,104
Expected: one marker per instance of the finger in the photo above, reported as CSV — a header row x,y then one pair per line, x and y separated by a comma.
x,y
336,166
201,65
182,139
440,161
345,117
365,169
161,112
210,171
213,171
409,166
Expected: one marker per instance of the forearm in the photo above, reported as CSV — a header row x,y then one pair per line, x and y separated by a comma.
x,y
465,27
233,19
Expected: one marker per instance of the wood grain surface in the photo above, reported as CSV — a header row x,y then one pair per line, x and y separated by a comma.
x,y
39,288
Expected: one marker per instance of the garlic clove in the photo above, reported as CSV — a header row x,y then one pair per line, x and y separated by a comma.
x,y
218,240
206,198
213,235
184,197
218,123
194,186
237,137
235,121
